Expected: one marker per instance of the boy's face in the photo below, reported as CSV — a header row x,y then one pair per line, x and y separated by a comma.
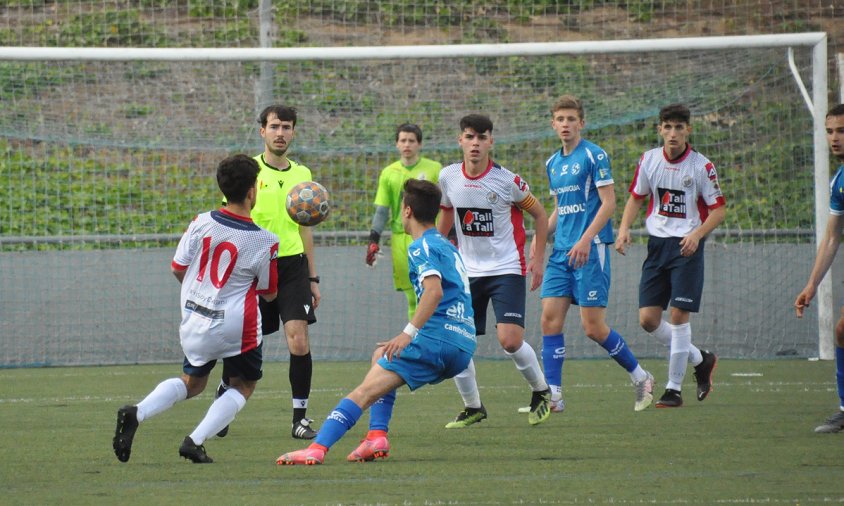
x,y
568,124
408,145
675,134
835,135
476,146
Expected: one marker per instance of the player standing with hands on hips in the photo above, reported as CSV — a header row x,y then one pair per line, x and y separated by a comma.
x,y
826,253
686,205
298,283
486,202
224,262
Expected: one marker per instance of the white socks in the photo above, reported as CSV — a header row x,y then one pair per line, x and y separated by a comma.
x,y
663,335
681,342
527,364
220,414
468,386
167,393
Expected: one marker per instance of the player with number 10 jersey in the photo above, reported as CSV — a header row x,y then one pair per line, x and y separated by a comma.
x,y
219,302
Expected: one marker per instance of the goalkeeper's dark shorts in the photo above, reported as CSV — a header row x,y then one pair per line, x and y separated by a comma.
x,y
294,300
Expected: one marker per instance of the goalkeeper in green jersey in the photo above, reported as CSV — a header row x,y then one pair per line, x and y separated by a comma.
x,y
388,204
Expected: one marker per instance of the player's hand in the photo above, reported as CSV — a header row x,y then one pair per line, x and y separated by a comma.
x,y
579,254
803,299
622,241
373,252
688,245
536,268
315,294
394,346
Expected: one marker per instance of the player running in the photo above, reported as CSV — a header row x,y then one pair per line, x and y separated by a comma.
x,y
223,261
486,203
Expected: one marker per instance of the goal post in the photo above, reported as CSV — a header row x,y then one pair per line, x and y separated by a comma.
x,y
115,147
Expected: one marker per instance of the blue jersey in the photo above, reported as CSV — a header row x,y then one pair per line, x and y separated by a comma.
x,y
453,320
574,180
836,193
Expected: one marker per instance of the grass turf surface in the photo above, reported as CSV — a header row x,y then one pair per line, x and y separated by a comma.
x,y
752,441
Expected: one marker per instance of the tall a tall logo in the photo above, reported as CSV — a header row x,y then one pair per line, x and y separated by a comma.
x,y
476,222
672,203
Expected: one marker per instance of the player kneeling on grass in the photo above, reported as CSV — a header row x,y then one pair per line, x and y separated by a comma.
x,y
437,344
223,261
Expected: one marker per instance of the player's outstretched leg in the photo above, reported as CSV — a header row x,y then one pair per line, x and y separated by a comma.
x,y
374,446
703,374
312,455
221,389
194,452
124,433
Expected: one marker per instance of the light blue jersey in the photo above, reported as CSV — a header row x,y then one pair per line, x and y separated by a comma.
x,y
574,180
836,193
453,320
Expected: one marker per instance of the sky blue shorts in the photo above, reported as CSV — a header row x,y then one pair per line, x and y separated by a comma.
x,y
588,286
427,361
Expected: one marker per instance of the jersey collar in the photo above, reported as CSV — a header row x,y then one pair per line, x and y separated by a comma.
x,y
273,167
679,158
235,216
482,174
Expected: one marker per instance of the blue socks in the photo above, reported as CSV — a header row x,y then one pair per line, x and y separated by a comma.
x,y
381,412
553,356
343,418
619,351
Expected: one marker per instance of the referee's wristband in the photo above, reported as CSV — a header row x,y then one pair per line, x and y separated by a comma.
x,y
410,330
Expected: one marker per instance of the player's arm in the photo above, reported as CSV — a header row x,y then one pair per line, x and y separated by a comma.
x,y
689,243
446,221
432,294
379,222
579,253
536,265
826,254
308,241
179,271
631,210
552,228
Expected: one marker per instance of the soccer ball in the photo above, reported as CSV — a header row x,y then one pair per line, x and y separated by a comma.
x,y
307,203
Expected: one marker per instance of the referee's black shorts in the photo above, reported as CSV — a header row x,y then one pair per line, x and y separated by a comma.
x,y
294,300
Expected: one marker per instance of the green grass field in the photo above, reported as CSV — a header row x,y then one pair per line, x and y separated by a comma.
x,y
752,441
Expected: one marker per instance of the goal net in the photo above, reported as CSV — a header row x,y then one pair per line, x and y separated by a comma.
x,y
106,155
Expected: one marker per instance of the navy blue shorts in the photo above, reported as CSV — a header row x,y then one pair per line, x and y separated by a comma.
x,y
507,292
294,300
669,277
246,366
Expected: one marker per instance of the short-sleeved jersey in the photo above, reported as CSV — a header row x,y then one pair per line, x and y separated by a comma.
x,y
574,180
391,183
270,210
453,320
488,218
229,261
681,191
836,193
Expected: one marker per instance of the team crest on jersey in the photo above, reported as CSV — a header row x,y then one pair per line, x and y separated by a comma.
x,y
575,169
475,222
687,181
672,203
492,197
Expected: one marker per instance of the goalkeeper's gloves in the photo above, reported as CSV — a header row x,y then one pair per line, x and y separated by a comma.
x,y
373,251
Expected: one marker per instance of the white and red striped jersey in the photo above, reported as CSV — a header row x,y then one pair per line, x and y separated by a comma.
x,y
681,191
228,261
487,217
